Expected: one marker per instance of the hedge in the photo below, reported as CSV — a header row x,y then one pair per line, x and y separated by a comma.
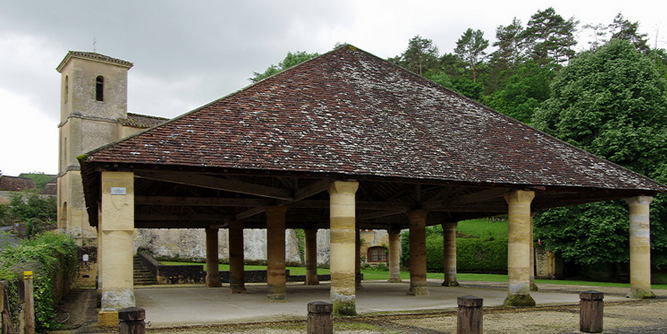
x,y
472,255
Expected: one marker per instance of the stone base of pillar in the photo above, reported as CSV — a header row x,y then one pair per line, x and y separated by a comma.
x,y
276,298
450,283
114,300
238,289
638,293
108,319
344,305
519,300
418,291
533,287
395,280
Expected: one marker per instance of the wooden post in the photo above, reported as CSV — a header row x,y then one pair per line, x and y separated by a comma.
x,y
29,311
591,309
6,321
131,320
469,316
320,319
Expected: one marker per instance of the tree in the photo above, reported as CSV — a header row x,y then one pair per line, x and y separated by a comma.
x,y
612,103
292,59
510,44
626,30
470,47
420,56
523,91
550,37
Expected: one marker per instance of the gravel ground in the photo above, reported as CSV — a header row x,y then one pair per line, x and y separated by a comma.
x,y
632,316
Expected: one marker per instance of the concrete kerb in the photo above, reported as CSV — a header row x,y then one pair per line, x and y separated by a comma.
x,y
186,305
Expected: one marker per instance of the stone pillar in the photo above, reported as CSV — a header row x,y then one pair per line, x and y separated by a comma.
x,y
236,274
533,286
357,257
116,232
640,247
394,256
342,244
417,223
311,256
449,240
275,239
518,248
212,259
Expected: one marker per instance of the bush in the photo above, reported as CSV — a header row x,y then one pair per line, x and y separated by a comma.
x,y
50,256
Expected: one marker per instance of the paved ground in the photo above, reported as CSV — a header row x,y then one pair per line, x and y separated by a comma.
x,y
383,308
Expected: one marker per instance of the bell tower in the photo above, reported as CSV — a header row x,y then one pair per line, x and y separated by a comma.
x,y
93,98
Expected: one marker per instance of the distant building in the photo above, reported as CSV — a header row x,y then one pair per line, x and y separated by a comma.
x,y
16,183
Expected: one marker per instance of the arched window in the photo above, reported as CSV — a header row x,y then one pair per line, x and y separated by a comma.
x,y
99,88
377,254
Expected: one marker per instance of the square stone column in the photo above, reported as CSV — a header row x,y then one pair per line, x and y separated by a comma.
x,y
449,240
275,240
640,247
417,223
212,258
518,248
115,250
236,258
311,256
357,257
342,246
394,256
533,286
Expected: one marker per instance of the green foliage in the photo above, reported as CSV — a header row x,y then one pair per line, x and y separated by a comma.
x,y
292,59
612,103
40,179
48,255
420,56
301,239
550,37
470,47
34,207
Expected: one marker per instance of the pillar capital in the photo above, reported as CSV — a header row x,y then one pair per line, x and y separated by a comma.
x,y
519,197
639,200
418,215
343,187
275,210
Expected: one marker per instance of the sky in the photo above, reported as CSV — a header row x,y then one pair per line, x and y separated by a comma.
x,y
189,53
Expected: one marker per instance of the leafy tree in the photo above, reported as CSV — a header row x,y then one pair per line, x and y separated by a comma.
x,y
34,207
612,103
523,92
420,56
292,59
550,37
470,47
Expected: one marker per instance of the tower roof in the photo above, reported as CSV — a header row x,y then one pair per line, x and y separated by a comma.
x,y
93,56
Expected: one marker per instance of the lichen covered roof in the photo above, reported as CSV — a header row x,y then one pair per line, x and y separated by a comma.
x,y
348,112
141,121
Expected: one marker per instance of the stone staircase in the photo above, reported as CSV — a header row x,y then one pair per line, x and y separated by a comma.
x,y
142,275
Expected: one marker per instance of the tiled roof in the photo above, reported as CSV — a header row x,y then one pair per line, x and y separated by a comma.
x,y
349,112
141,121
15,183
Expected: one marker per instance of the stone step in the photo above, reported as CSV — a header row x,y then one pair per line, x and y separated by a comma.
x,y
142,275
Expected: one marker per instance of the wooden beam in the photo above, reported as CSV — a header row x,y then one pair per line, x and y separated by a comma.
x,y
250,212
201,201
380,214
312,189
211,182
476,197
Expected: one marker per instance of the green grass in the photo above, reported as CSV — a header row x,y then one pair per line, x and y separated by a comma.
x,y
484,228
375,274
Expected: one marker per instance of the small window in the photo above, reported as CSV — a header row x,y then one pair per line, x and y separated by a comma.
x,y
66,88
377,254
99,88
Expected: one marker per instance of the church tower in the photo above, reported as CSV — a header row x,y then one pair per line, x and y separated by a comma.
x,y
93,99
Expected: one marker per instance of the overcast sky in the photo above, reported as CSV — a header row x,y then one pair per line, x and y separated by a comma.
x,y
188,53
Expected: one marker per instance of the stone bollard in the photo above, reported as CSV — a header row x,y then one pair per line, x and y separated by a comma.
x,y
591,309
469,316
320,319
131,320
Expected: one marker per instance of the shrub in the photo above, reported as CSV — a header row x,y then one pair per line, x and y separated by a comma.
x,y
49,256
